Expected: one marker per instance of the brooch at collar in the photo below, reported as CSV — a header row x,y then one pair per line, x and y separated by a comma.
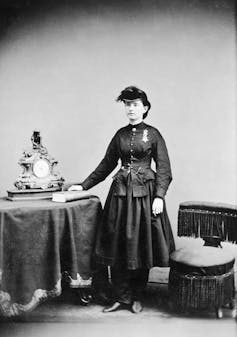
x,y
144,137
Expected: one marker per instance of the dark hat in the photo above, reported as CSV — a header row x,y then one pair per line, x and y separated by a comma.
x,y
131,93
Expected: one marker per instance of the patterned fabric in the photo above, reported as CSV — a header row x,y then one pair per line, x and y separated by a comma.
x,y
8,308
39,241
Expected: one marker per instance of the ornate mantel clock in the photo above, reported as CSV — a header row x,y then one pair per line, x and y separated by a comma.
x,y
38,178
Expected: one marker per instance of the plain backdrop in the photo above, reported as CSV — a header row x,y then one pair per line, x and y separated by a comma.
x,y
62,67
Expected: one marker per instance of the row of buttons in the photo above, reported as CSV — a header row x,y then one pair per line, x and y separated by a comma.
x,y
132,139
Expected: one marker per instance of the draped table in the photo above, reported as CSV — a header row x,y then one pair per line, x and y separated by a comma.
x,y
39,240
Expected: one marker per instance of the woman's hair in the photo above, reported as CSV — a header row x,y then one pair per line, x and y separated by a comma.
x,y
131,93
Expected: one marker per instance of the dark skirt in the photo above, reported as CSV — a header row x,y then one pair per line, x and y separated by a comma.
x,y
131,235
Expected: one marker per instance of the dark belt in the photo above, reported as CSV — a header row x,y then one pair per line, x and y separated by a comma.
x,y
136,168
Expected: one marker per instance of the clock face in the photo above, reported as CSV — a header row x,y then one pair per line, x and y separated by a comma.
x,y
41,168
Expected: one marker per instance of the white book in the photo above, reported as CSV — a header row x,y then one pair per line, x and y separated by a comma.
x,y
66,196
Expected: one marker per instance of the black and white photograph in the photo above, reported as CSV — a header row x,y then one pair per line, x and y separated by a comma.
x,y
118,184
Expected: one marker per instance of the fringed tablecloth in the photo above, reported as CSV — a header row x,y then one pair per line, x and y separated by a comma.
x,y
40,240
200,219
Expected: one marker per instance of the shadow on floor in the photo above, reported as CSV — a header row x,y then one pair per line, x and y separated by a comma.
x,y
68,308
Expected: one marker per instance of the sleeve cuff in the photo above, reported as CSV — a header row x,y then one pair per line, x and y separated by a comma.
x,y
85,185
160,193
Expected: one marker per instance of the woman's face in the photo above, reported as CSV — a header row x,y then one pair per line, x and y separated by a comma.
x,y
135,110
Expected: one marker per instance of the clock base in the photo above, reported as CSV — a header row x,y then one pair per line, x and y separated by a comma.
x,y
31,194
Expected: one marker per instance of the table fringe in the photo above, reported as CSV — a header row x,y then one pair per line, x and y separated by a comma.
x,y
9,309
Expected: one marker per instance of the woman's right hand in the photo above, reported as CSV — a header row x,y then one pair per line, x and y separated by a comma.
x,y
75,188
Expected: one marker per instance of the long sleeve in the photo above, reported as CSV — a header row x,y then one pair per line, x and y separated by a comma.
x,y
105,167
163,168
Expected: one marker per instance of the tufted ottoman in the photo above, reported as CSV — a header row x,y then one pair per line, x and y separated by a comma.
x,y
203,277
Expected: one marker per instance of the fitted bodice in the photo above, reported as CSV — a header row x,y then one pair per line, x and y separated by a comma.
x,y
135,146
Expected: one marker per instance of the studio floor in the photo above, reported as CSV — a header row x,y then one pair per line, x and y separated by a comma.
x,y
65,316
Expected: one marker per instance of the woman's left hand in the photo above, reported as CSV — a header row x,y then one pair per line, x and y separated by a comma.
x,y
157,206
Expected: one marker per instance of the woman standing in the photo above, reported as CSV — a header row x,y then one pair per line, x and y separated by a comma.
x,y
135,234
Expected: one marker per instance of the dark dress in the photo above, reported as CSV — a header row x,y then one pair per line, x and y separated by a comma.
x,y
130,235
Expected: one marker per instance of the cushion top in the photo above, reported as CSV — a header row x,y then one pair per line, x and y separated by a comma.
x,y
203,256
217,206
